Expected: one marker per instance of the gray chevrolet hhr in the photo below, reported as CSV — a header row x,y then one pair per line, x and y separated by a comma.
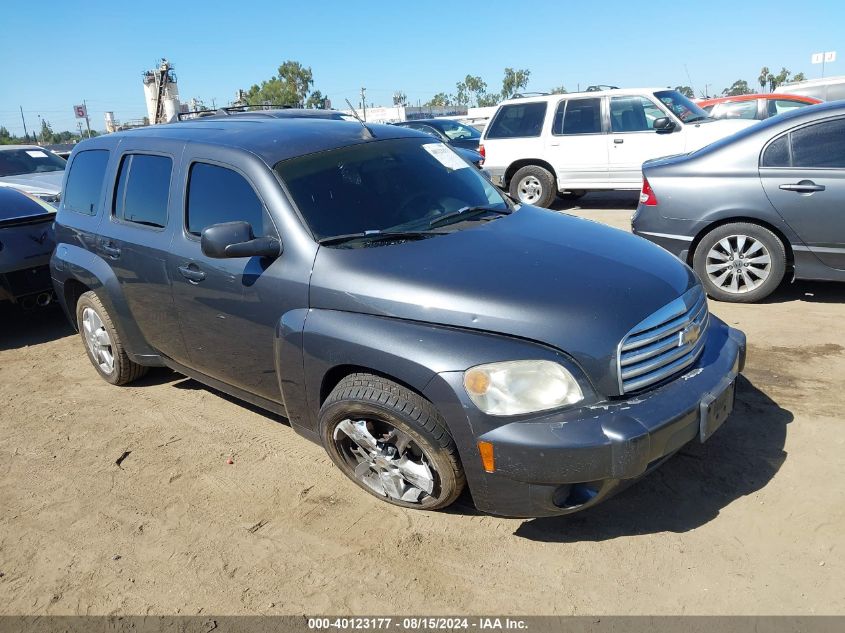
x,y
374,288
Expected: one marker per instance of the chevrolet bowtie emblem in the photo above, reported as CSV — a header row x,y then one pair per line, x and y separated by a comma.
x,y
689,335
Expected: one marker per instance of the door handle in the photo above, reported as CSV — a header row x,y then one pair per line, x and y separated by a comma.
x,y
110,249
619,141
191,273
805,186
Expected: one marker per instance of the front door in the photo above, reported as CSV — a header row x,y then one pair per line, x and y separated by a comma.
x,y
633,139
803,173
229,308
577,146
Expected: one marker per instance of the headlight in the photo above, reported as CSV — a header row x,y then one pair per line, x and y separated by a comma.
x,y
521,386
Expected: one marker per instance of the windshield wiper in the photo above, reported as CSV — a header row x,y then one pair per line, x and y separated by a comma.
x,y
377,236
466,212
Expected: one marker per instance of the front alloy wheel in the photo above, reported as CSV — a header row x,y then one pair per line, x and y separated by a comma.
x,y
385,459
392,442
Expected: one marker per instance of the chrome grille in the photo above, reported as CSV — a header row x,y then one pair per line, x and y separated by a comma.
x,y
667,342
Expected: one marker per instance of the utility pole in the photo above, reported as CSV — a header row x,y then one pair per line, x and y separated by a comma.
x,y
364,102
24,124
79,126
87,122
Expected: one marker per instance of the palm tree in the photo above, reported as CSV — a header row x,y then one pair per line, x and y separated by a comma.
x,y
763,79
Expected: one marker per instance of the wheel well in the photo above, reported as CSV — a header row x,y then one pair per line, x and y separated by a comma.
x,y
333,377
73,290
787,247
517,165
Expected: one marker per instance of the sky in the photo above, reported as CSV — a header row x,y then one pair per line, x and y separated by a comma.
x,y
56,53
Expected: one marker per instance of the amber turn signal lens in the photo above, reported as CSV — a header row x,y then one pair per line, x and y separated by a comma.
x,y
488,461
477,382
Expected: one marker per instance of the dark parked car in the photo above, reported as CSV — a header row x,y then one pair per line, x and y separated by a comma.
x,y
350,278
449,131
26,241
753,207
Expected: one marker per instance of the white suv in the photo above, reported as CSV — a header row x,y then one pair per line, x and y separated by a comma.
x,y
539,147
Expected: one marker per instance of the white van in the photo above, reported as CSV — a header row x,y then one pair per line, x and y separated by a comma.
x,y
540,146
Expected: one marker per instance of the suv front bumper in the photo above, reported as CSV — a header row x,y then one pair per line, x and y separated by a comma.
x,y
571,460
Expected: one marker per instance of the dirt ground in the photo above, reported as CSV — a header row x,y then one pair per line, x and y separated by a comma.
x,y
752,522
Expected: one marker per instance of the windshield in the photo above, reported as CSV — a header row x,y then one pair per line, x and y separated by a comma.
x,y
15,205
382,186
681,107
458,131
16,162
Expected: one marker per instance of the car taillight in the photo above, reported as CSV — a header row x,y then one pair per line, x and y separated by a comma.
x,y
647,196
482,152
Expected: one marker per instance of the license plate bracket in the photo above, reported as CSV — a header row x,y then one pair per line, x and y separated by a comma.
x,y
715,409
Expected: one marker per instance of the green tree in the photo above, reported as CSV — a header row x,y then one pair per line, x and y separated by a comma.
x,y
289,86
798,77
686,91
558,90
400,98
46,134
315,100
5,136
440,99
514,81
488,100
739,87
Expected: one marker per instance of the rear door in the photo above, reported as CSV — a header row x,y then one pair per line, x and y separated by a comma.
x,y
135,236
633,140
577,145
803,173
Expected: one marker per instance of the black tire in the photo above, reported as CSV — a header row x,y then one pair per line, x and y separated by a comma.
x,y
124,369
545,183
383,404
730,232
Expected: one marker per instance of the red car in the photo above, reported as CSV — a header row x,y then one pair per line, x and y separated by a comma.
x,y
758,107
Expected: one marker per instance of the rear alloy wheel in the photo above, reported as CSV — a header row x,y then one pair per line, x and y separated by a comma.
x,y
740,262
391,442
534,185
102,342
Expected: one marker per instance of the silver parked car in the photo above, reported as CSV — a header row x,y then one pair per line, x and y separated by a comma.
x,y
747,210
33,169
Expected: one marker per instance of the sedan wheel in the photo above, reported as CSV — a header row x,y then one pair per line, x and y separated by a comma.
x,y
738,264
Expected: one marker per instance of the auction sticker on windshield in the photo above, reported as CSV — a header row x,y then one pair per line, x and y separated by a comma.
x,y
445,156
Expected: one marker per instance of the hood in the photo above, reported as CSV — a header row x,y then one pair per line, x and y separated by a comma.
x,y
701,134
563,281
46,182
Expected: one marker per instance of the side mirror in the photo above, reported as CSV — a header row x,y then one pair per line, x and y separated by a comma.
x,y
235,239
663,124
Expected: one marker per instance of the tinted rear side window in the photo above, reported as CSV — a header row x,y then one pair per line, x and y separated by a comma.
x,y
518,120
819,145
85,181
582,116
217,194
777,153
15,204
143,188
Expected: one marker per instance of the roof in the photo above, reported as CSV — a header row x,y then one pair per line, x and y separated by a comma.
x,y
619,92
275,113
270,138
752,97
11,147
